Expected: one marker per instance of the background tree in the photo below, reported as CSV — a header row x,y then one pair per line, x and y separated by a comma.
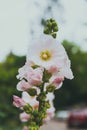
x,y
8,81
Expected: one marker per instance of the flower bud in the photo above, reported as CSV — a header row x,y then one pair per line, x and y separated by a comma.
x,y
50,88
53,34
35,113
46,30
52,20
49,24
18,102
55,29
32,91
54,23
41,96
46,76
27,108
47,104
33,127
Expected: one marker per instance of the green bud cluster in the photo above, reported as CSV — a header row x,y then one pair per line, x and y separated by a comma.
x,y
51,27
33,127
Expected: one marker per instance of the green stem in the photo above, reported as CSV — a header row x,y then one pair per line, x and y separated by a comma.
x,y
40,102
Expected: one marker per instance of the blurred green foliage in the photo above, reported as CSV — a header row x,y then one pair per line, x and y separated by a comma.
x,y
72,92
8,81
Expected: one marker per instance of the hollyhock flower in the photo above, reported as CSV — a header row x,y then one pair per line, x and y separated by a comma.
x,y
24,117
48,53
24,70
33,76
23,85
25,128
31,100
18,102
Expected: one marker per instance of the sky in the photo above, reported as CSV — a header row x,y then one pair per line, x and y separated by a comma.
x,y
19,17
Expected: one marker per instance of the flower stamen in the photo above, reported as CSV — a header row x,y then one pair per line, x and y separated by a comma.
x,y
45,55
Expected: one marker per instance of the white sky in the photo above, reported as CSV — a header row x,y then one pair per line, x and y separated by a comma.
x,y
17,16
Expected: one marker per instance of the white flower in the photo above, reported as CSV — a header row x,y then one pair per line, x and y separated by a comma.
x,y
48,53
31,100
33,76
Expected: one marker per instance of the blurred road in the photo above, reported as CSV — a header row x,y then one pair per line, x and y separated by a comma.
x,y
56,125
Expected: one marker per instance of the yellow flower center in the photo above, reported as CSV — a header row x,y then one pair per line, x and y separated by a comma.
x,y
45,55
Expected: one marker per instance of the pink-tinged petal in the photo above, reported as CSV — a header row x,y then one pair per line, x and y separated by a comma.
x,y
23,85
18,102
50,114
46,120
54,69
58,82
34,76
25,128
24,117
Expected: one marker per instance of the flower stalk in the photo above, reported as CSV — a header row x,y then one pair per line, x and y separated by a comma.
x,y
46,67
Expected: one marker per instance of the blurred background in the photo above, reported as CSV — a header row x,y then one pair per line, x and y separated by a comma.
x,y
20,22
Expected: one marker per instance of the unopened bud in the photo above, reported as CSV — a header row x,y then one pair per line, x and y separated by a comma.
x,y
50,88
55,29
33,127
27,108
54,24
49,24
42,115
53,34
47,104
41,96
46,30
32,91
